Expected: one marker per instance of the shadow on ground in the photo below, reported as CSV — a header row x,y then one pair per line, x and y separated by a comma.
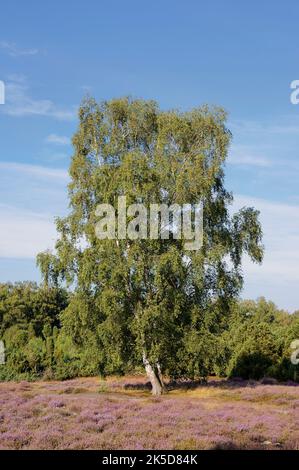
x,y
187,384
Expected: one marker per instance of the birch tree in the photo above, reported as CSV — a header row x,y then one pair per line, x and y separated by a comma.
x,y
149,300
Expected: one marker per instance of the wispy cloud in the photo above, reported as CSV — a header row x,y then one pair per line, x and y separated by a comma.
x,y
31,196
20,103
58,139
279,273
287,125
35,170
56,157
13,50
24,234
243,155
32,187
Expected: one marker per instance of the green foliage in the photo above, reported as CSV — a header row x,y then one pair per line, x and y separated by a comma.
x,y
257,342
25,303
134,299
28,316
150,298
253,343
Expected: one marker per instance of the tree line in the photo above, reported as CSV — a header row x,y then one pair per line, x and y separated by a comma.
x,y
254,343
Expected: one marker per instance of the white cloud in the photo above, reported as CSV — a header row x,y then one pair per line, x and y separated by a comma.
x,y
243,155
31,196
35,170
14,51
279,273
24,234
287,125
56,156
34,188
19,103
58,139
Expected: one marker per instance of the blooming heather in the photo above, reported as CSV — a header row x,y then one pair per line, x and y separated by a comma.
x,y
77,414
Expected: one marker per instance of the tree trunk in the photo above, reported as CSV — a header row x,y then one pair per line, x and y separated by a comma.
x,y
154,377
161,377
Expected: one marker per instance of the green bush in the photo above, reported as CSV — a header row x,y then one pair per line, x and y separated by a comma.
x,y
36,328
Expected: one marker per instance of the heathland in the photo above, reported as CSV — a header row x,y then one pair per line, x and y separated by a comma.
x,y
120,413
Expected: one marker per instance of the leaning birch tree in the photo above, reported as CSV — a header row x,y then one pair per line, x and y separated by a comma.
x,y
149,300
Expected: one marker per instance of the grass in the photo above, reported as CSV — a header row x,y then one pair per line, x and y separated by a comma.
x,y
120,413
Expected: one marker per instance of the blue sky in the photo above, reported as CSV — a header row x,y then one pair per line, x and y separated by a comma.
x,y
182,54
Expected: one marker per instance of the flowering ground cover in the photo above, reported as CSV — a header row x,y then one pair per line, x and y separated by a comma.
x,y
119,413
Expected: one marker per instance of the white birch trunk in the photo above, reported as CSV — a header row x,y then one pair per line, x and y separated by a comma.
x,y
157,386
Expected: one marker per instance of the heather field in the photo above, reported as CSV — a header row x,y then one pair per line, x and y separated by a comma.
x,y
88,413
